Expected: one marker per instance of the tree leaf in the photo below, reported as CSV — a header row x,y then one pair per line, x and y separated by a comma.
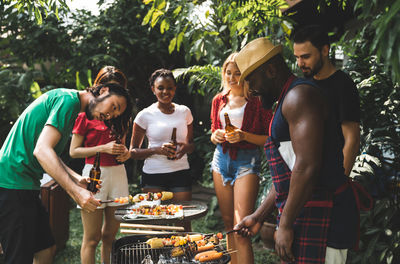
x,y
164,26
147,17
156,16
179,40
172,45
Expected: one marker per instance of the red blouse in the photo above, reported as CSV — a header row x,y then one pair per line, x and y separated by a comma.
x,y
95,133
256,120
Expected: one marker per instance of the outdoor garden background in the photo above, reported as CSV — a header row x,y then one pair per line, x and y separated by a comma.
x,y
44,45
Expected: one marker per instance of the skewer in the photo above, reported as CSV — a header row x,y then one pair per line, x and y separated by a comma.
x,y
154,227
227,252
230,231
183,206
144,232
107,201
189,206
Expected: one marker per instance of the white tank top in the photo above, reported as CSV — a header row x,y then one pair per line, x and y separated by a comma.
x,y
235,115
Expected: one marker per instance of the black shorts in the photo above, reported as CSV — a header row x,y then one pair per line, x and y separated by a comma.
x,y
177,181
24,225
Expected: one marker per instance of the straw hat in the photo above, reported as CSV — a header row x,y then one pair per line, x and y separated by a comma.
x,y
254,54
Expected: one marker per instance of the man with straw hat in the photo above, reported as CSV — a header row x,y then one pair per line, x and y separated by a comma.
x,y
306,162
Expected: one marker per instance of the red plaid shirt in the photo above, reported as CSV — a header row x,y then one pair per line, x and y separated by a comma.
x,y
256,120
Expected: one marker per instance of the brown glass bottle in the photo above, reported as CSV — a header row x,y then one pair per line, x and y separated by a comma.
x,y
118,141
94,174
173,141
228,125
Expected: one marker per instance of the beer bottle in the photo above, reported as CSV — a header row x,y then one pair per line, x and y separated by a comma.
x,y
228,125
173,141
118,141
94,174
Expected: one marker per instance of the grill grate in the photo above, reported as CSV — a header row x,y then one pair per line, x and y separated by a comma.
x,y
133,250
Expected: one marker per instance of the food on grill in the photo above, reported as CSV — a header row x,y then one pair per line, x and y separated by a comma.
x,y
198,255
177,252
196,237
179,240
213,239
206,247
164,248
166,196
157,210
190,244
155,242
211,256
161,242
121,200
142,197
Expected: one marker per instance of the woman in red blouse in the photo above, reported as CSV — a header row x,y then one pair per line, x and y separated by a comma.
x,y
236,163
89,137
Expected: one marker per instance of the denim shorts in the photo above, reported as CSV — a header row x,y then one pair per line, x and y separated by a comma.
x,y
248,161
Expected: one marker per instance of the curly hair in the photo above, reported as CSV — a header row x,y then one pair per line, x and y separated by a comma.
x,y
165,73
115,80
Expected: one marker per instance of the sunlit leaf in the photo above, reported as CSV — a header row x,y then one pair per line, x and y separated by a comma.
x,y
179,40
172,45
156,16
147,17
35,90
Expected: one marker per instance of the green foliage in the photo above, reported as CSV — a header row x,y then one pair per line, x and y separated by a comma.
x,y
202,27
383,18
38,8
379,166
12,103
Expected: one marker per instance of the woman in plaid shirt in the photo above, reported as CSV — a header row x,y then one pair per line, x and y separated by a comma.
x,y
236,161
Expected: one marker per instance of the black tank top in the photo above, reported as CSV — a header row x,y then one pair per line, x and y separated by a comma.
x,y
332,171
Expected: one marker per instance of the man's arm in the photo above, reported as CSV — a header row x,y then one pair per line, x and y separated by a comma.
x,y
304,111
351,134
52,164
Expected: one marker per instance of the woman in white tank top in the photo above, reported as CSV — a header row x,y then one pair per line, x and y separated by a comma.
x,y
236,162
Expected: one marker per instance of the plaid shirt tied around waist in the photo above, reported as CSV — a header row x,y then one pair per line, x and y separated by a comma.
x,y
311,226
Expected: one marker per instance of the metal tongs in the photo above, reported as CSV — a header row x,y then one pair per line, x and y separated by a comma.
x,y
223,233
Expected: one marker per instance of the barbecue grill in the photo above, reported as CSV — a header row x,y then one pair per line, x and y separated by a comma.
x,y
133,250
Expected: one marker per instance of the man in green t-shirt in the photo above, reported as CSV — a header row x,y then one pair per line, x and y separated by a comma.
x,y
33,147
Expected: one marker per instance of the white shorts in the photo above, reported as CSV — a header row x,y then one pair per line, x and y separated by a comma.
x,y
335,256
114,183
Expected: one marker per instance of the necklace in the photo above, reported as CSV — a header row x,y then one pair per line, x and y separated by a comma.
x,y
167,109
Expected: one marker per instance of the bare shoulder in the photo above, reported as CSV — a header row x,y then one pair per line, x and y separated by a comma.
x,y
303,98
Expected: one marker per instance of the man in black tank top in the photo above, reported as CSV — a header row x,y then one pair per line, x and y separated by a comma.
x,y
300,191
311,48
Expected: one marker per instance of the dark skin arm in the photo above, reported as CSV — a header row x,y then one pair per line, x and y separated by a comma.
x,y
138,134
306,129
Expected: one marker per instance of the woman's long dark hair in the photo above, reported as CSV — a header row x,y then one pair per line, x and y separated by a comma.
x,y
116,81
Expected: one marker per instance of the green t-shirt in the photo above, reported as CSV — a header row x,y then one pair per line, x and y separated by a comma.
x,y
19,168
